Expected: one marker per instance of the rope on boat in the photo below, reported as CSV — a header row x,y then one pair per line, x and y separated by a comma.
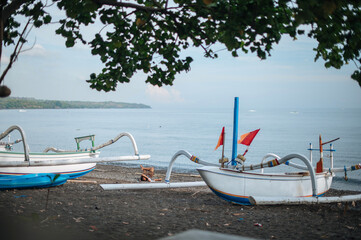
x,y
124,134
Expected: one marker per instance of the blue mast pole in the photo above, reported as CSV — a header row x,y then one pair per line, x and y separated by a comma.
x,y
235,131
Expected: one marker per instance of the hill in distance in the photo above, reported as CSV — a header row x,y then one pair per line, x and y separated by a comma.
x,y
32,103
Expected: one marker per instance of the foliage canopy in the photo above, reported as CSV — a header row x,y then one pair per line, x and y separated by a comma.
x,y
149,35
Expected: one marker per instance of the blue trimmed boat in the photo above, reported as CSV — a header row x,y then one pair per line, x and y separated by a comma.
x,y
46,169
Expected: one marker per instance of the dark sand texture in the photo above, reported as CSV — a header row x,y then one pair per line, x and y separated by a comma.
x,y
79,210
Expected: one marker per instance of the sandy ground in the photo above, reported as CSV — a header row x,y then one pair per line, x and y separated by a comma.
x,y
83,210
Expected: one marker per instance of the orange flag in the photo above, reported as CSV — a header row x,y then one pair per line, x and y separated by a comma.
x,y
220,140
247,138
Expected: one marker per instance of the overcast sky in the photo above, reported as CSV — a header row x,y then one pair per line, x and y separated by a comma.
x,y
288,79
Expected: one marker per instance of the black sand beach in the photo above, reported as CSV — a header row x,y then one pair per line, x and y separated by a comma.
x,y
82,210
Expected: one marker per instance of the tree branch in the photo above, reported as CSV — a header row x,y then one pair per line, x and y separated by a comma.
x,y
16,52
11,8
115,3
1,32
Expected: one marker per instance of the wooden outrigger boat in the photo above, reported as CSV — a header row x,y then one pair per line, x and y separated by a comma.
x,y
239,183
71,164
69,170
40,163
239,186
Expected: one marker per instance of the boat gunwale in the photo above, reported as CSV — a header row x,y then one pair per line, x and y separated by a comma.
x,y
48,153
81,171
226,196
291,177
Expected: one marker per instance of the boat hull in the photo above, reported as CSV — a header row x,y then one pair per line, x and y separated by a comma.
x,y
69,170
39,180
237,187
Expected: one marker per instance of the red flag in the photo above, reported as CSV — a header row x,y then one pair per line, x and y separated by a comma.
x,y
220,140
319,166
247,138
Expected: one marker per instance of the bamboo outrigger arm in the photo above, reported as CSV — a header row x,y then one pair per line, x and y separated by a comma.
x,y
124,134
259,200
190,157
22,133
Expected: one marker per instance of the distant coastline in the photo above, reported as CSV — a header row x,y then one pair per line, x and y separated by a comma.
x,y
32,103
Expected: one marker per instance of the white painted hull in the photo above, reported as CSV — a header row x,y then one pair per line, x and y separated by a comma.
x,y
70,170
237,186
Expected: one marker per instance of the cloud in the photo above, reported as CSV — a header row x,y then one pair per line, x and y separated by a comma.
x,y
248,58
36,50
160,94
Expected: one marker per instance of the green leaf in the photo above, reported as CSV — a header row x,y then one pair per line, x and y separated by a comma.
x,y
38,23
70,42
47,19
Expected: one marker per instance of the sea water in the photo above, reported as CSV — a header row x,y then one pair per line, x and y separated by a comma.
x,y
163,132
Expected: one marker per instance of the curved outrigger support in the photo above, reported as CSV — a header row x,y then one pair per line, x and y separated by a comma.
x,y
23,137
309,168
124,134
330,170
190,157
274,156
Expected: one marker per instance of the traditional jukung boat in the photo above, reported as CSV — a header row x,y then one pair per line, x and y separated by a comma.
x,y
33,161
71,164
244,184
237,186
41,163
239,183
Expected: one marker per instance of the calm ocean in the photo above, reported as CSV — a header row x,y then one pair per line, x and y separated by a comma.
x,y
161,133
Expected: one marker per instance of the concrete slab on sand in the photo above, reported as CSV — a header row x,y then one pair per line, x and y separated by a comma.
x,y
195,234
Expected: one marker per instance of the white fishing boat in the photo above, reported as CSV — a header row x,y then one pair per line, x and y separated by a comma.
x,y
239,186
248,184
71,164
71,170
239,183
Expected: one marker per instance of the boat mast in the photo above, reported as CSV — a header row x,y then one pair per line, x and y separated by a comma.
x,y
235,131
